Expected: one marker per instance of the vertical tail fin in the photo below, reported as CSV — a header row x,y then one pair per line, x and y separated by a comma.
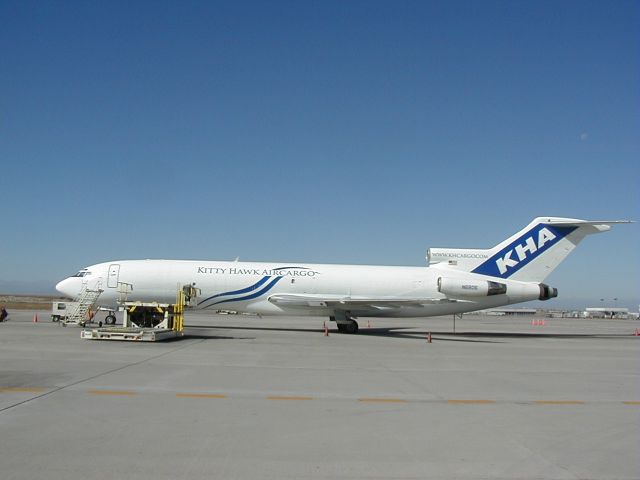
x,y
529,255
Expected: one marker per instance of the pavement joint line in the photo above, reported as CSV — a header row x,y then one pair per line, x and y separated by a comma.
x,y
200,395
559,402
469,401
281,397
112,392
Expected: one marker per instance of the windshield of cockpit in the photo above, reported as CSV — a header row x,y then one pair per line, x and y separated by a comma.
x,y
82,273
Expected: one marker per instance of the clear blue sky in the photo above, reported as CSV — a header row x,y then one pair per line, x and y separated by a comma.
x,y
342,132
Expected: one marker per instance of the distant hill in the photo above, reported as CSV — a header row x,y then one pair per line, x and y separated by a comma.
x,y
27,302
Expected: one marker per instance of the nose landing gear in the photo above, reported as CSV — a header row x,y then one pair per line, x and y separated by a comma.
x,y
110,319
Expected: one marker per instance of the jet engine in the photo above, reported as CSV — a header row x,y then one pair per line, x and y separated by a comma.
x,y
456,287
547,292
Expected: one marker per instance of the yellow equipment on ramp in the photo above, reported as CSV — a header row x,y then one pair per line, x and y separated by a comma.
x,y
148,321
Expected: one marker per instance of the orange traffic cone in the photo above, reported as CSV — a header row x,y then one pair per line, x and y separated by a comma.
x,y
326,329
429,337
35,318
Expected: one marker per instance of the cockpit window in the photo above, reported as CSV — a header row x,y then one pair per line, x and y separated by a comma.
x,y
82,273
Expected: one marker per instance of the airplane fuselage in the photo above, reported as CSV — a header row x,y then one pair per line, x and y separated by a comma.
x,y
248,286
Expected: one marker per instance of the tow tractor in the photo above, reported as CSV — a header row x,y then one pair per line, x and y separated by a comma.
x,y
148,321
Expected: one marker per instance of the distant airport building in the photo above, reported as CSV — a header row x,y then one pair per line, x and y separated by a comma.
x,y
508,311
591,312
606,312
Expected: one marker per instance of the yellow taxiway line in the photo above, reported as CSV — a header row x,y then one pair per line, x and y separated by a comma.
x,y
455,401
112,392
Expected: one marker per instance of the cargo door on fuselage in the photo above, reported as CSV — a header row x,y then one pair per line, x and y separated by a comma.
x,y
113,275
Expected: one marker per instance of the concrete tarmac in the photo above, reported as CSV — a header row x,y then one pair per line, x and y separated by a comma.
x,y
244,397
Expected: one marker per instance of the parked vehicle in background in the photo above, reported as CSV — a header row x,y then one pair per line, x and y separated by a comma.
x,y
61,310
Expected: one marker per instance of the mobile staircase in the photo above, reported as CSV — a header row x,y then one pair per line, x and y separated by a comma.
x,y
85,302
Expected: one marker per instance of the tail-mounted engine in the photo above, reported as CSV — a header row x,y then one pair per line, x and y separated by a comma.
x,y
547,292
456,287
522,291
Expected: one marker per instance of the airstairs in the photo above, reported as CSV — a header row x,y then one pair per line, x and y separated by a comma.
x,y
86,300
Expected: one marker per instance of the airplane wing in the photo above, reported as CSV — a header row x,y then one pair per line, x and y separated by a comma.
x,y
342,302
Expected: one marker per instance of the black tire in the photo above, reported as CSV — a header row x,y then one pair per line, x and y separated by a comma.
x,y
351,327
110,320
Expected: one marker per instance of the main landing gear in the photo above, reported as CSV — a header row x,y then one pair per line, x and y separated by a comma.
x,y
346,324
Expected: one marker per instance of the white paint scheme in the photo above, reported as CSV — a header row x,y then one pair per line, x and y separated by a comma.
x,y
344,292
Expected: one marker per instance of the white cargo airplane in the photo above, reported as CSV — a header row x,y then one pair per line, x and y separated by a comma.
x,y
455,280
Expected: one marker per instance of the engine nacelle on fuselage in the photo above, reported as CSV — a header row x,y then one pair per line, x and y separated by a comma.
x,y
456,287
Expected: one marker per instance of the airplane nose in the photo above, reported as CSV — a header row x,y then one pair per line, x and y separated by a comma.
x,y
66,287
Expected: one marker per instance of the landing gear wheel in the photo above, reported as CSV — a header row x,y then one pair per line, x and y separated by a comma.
x,y
110,320
350,327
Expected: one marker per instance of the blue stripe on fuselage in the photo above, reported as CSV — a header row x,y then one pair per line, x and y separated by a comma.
x,y
237,292
249,297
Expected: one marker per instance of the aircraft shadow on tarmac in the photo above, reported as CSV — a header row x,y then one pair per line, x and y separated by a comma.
x,y
447,336
189,335
371,332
